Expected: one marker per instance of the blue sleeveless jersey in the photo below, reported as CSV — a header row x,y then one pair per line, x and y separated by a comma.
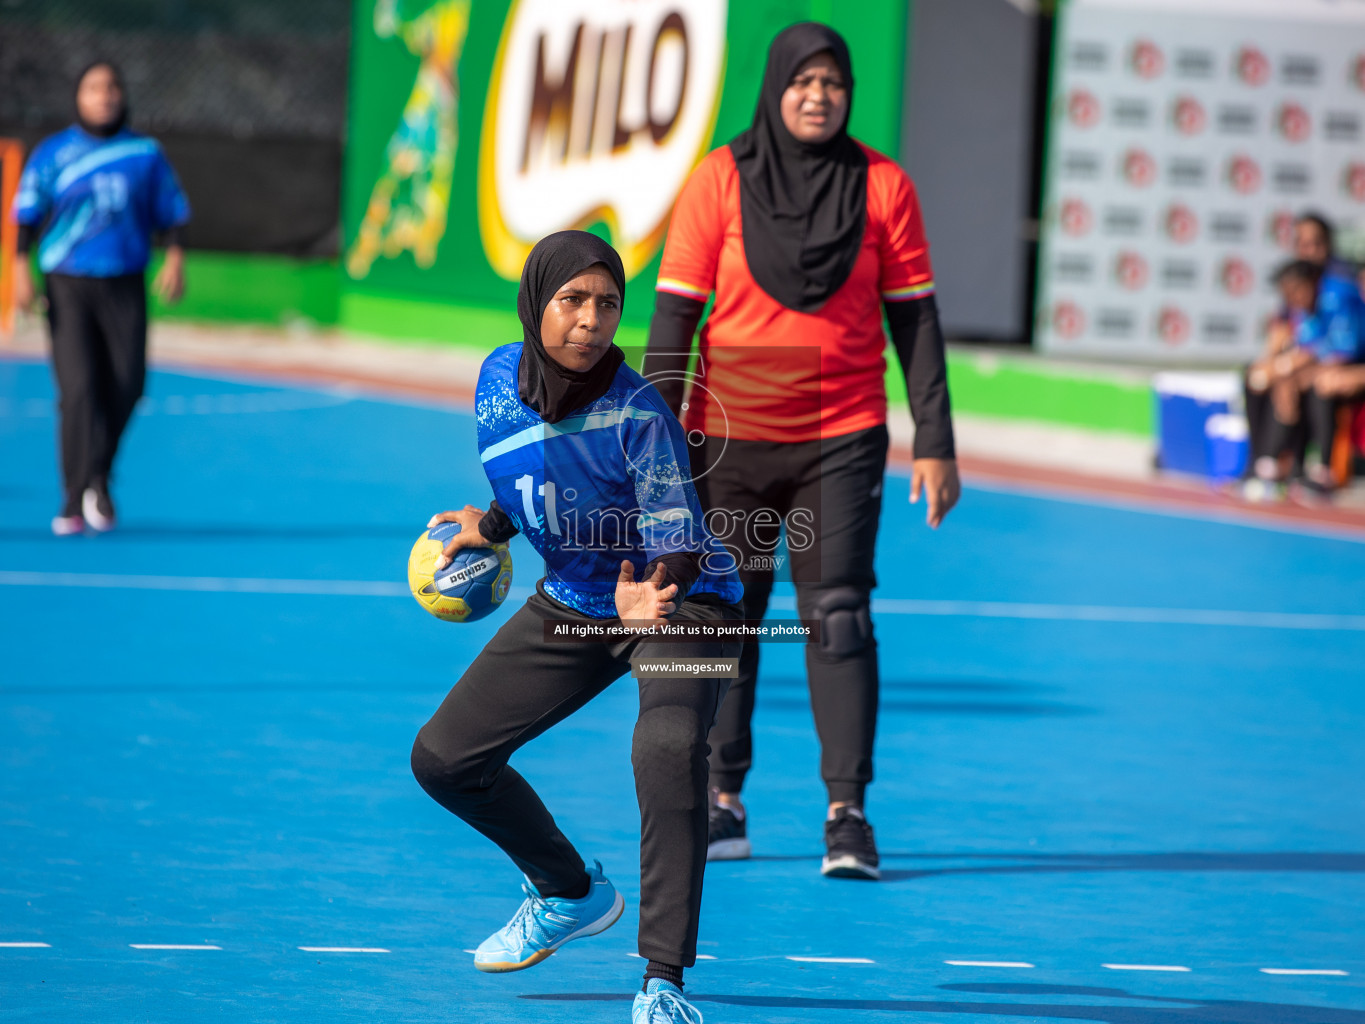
x,y
1335,331
607,483
98,201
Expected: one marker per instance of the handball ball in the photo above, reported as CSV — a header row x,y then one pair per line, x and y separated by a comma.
x,y
472,586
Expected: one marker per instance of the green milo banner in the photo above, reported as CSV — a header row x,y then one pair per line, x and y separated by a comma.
x,y
477,127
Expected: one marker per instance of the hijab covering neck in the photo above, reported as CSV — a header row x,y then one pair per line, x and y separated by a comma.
x,y
803,205
552,390
103,131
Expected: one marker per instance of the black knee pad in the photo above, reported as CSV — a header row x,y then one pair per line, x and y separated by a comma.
x,y
845,617
669,757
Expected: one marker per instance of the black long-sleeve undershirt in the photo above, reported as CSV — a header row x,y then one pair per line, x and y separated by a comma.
x,y
918,340
915,334
497,526
670,346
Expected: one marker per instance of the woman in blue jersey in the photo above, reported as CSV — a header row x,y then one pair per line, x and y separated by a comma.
x,y
92,197
586,460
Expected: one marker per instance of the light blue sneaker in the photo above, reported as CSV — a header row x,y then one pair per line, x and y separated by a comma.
x,y
662,1002
543,924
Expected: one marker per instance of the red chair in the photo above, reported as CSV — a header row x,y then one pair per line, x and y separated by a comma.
x,y
1350,440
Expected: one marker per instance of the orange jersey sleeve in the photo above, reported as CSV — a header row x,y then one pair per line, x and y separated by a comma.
x,y
696,233
903,248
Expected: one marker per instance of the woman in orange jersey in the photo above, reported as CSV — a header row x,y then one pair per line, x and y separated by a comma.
x,y
805,236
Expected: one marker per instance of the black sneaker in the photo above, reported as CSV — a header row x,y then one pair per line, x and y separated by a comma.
x,y
726,838
850,851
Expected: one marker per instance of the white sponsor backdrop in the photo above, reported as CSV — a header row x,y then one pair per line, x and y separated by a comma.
x,y
623,133
1183,139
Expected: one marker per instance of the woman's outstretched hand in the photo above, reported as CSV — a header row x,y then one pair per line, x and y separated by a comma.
x,y
468,537
644,600
937,478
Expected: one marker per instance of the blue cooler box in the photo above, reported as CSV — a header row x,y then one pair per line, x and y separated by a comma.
x,y
1227,442
1185,402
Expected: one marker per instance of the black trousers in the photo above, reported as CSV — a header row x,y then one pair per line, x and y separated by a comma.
x,y
1269,437
99,357
829,495
1320,415
519,687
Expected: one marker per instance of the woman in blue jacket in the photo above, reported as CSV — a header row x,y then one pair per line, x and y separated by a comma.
x,y
92,197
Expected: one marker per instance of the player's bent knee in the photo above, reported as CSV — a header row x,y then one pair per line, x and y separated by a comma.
x,y
669,756
438,771
845,617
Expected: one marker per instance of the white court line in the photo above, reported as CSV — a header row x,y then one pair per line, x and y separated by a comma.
x,y
205,584
24,945
987,963
1304,970
1144,967
882,605
831,960
1104,613
157,945
700,956
342,949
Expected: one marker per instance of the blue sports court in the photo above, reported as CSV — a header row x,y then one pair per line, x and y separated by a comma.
x,y
1120,759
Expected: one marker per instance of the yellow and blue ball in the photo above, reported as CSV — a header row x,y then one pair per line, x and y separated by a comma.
x,y
471,587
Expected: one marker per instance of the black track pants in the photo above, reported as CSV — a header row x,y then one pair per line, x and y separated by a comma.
x,y
829,491
1320,414
99,357
519,687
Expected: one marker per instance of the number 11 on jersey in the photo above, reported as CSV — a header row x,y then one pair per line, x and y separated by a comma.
x,y
526,484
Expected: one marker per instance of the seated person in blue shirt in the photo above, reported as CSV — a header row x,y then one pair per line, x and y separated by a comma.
x,y
587,461
1323,327
1314,240
92,197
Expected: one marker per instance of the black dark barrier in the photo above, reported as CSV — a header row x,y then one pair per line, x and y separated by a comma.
x,y
255,195
261,195
248,97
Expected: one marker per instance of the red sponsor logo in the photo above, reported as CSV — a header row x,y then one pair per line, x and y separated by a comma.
x,y
1083,108
1076,217
1139,169
1280,229
1244,174
1358,72
1237,276
1295,122
1181,223
1173,326
1147,59
1068,320
1355,181
1130,270
1253,66
1189,116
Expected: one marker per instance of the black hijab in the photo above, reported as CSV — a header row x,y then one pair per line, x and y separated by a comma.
x,y
803,206
103,131
550,389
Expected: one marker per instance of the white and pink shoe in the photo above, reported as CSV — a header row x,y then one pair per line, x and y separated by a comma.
x,y
98,509
67,526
